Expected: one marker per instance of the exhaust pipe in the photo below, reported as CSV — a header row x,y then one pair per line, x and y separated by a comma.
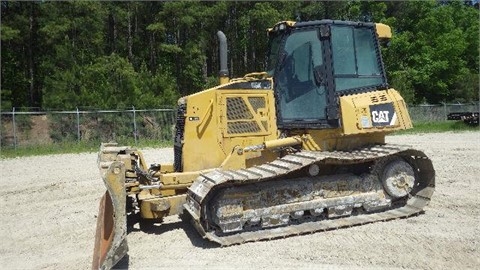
x,y
223,73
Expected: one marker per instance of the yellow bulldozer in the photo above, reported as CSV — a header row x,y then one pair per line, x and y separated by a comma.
x,y
296,149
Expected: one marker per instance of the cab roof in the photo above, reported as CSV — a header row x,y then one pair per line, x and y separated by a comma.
x,y
383,31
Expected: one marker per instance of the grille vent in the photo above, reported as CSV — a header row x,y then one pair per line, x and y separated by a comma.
x,y
243,127
257,103
237,109
240,117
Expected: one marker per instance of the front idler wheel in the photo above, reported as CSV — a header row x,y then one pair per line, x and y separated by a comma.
x,y
398,178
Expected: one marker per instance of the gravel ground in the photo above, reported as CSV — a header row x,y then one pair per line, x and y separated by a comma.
x,y
49,207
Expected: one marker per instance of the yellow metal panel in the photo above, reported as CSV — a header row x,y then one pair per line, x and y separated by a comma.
x,y
157,208
334,139
166,168
359,115
224,80
383,31
401,106
179,178
263,116
201,128
208,141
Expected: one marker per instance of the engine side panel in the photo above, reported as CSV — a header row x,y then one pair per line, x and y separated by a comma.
x,y
374,112
219,120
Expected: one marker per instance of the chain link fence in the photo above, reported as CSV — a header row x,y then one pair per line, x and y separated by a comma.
x,y
435,113
30,128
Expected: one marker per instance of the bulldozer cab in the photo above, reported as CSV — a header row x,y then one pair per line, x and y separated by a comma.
x,y
313,63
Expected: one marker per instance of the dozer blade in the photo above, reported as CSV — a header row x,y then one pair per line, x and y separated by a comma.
x,y
110,237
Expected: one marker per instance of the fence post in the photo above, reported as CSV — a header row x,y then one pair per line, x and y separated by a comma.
x,y
78,125
444,111
134,126
14,129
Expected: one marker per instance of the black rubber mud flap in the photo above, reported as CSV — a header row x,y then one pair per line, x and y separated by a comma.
x,y
110,238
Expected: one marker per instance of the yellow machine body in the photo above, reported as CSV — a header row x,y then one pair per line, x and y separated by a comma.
x,y
225,122
234,127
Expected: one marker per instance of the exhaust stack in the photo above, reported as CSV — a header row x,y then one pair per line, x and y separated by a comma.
x,y
223,73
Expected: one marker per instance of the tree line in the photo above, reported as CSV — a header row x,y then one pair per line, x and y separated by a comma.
x,y
102,54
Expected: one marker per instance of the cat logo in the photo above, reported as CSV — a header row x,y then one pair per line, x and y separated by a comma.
x,y
380,116
383,115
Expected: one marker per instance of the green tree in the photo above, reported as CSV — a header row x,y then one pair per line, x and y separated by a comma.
x,y
432,50
73,36
20,55
65,54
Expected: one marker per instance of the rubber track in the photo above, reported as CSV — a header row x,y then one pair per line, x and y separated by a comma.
x,y
209,184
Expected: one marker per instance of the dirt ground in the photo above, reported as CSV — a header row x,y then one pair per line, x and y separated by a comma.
x,y
49,206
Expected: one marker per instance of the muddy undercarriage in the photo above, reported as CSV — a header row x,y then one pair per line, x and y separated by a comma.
x,y
310,191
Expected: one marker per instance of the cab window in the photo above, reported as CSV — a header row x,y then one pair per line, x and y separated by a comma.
x,y
301,98
355,60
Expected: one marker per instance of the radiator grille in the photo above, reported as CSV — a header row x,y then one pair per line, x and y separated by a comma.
x,y
243,127
257,103
237,109
242,115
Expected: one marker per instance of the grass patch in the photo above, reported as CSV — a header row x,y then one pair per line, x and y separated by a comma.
x,y
70,148
435,127
93,147
46,149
